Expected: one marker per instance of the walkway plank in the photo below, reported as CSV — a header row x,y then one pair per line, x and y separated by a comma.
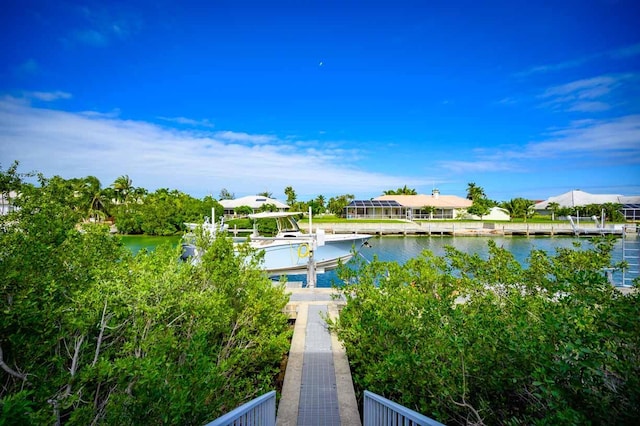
x,y
317,389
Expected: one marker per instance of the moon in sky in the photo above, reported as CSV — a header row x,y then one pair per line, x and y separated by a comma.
x,y
320,64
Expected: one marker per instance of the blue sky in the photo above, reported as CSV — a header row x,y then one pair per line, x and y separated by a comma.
x,y
524,98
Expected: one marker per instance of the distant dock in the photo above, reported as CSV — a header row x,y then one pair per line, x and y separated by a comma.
x,y
483,229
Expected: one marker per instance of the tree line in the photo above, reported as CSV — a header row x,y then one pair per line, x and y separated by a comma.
x,y
522,208
91,334
135,210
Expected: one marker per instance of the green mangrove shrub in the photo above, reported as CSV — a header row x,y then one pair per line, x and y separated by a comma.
x,y
468,340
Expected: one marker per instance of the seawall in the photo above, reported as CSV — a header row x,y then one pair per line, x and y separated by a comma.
x,y
451,228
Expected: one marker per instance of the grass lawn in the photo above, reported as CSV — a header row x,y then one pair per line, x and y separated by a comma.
x,y
334,219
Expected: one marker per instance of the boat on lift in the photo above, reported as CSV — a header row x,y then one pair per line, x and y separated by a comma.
x,y
292,251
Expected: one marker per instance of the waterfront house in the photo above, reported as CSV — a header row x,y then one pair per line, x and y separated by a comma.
x,y
254,201
495,214
630,208
630,205
409,207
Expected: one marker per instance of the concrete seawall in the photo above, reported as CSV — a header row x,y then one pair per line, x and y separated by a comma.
x,y
448,228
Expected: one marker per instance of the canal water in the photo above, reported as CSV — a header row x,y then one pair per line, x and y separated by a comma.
x,y
401,249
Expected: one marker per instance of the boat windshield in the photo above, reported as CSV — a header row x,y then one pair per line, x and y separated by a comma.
x,y
287,224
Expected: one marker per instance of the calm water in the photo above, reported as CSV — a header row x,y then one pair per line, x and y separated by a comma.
x,y
401,249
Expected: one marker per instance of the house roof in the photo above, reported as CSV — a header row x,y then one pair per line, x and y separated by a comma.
x,y
579,198
374,203
422,200
253,201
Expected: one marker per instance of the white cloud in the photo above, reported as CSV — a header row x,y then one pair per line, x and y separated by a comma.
x,y
601,138
486,165
188,121
626,51
100,26
617,53
586,95
589,107
47,96
76,144
241,137
580,144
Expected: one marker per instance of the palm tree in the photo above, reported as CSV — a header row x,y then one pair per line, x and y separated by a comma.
x,y
92,200
519,207
291,195
122,187
475,192
400,191
553,206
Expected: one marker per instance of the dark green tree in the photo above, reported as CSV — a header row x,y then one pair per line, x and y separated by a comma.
x,y
337,205
243,210
291,195
475,192
405,190
519,208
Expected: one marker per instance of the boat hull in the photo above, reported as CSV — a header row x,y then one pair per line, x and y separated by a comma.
x,y
292,257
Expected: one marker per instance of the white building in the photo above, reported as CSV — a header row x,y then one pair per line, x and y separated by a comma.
x,y
495,213
411,207
253,201
576,198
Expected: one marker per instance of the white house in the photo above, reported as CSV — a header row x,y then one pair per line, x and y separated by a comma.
x,y
495,213
412,207
253,201
578,198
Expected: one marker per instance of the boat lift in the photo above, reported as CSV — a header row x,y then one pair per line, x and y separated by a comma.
x,y
630,255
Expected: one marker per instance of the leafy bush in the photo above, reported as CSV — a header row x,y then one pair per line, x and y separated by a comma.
x,y
468,340
92,334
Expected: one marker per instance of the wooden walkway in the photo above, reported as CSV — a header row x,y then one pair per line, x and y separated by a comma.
x,y
317,389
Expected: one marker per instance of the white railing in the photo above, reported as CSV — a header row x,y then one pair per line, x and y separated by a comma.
x,y
379,411
260,411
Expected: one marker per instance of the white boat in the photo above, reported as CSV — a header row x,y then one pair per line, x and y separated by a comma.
x,y
293,252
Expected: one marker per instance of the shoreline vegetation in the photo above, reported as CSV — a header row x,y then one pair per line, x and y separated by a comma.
x,y
133,210
92,334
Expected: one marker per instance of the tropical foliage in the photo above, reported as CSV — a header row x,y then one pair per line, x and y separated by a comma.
x,y
481,205
475,192
467,340
336,205
91,334
519,208
405,190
